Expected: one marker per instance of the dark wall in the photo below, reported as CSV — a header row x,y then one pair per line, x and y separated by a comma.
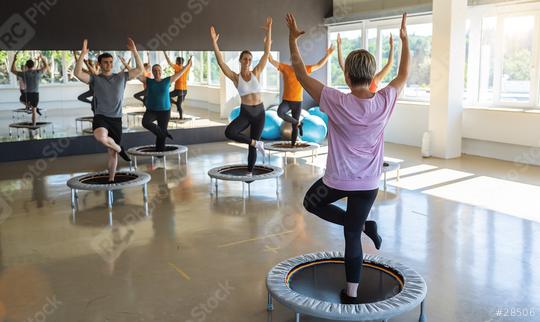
x,y
161,24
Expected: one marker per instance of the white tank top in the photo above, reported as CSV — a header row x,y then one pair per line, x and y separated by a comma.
x,y
251,87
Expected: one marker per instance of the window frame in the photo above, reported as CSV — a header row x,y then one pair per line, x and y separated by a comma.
x,y
380,24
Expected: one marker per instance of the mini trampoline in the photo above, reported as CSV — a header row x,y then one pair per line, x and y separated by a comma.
x,y
132,117
81,121
239,172
31,127
310,284
175,120
100,182
21,112
391,165
150,151
287,147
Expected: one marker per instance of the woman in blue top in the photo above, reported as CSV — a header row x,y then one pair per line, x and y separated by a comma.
x,y
158,104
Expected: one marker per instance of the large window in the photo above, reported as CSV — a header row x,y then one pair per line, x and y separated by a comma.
x,y
350,40
4,68
502,58
377,41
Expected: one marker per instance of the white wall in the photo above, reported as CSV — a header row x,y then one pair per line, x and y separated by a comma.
x,y
500,134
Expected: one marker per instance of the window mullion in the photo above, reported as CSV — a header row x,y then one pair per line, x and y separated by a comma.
x,y
535,77
497,69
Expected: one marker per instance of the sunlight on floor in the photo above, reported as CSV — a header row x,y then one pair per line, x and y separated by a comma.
x,y
516,199
429,179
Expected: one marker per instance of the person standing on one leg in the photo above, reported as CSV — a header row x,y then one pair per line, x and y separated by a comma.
x,y
293,92
91,70
252,113
158,104
355,145
31,77
108,98
180,86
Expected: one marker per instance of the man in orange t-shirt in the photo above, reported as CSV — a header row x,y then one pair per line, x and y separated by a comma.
x,y
180,86
293,92
380,75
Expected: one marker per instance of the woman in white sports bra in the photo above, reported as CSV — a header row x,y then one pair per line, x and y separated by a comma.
x,y
252,109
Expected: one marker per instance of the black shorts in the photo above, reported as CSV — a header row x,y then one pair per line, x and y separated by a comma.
x,y
31,99
112,124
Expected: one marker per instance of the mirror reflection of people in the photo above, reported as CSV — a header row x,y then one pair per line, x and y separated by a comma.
x,y
141,95
91,69
355,146
108,99
252,113
31,76
180,86
293,93
158,103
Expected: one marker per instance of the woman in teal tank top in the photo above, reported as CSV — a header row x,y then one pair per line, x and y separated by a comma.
x,y
158,104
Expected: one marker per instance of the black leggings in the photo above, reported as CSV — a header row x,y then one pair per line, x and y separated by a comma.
x,y
181,97
251,116
84,97
159,130
294,119
318,201
140,96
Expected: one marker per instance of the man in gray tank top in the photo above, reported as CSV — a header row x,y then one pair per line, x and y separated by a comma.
x,y
31,78
108,99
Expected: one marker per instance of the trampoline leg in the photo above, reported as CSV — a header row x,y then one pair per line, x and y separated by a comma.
x,y
297,319
243,189
165,162
270,305
72,199
145,192
277,187
422,315
152,162
76,198
216,188
249,190
135,162
130,165
385,181
109,198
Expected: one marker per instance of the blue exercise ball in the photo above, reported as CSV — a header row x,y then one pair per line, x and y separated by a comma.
x,y
234,113
314,129
317,111
272,126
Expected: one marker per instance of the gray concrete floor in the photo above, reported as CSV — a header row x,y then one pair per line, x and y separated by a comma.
x,y
169,266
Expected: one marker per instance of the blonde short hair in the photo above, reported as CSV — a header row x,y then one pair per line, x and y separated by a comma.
x,y
360,66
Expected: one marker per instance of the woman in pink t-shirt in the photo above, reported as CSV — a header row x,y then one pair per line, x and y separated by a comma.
x,y
355,145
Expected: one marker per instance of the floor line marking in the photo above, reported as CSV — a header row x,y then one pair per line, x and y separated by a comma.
x,y
181,272
254,239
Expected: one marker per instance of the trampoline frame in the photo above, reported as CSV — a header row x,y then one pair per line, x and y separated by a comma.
x,y
81,120
215,175
75,185
411,296
181,149
18,127
313,147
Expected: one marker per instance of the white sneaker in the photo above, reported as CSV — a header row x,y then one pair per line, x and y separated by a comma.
x,y
259,145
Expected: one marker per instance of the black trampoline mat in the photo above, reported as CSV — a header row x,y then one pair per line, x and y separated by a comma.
x,y
153,149
243,171
103,179
324,280
290,146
